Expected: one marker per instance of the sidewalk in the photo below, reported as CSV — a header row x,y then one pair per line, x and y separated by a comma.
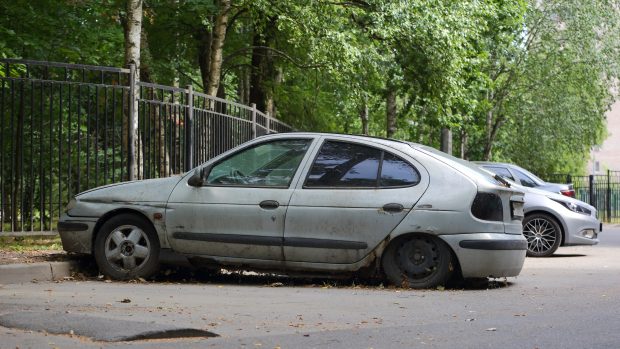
x,y
32,272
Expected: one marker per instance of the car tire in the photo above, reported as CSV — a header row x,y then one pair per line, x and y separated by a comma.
x,y
127,247
419,261
543,234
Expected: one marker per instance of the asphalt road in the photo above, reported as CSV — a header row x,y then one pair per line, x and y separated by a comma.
x,y
571,300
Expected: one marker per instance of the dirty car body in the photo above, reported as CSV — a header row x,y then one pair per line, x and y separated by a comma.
x,y
310,203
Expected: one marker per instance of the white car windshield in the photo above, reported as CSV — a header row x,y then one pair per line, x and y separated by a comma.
x,y
484,174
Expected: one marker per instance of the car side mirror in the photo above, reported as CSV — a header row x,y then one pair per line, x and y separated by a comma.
x,y
196,180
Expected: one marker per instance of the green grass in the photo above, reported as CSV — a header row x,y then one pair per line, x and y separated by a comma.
x,y
30,243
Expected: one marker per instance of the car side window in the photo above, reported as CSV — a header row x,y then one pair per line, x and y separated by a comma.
x,y
340,164
348,165
396,172
525,180
270,164
501,171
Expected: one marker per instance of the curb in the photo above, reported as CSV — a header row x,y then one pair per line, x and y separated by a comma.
x,y
32,272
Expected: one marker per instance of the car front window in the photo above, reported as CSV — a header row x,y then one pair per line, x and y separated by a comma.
x,y
270,164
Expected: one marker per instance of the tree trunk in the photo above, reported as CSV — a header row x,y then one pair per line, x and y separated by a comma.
x,y
364,117
257,76
464,144
390,112
243,91
162,156
495,126
133,28
446,140
217,47
264,74
205,37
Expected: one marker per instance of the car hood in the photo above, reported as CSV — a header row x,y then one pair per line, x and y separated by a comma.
x,y
553,196
149,190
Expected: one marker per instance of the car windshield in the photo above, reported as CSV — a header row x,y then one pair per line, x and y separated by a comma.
x,y
484,174
532,176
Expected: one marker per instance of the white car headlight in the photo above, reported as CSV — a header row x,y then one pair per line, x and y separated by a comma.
x,y
574,207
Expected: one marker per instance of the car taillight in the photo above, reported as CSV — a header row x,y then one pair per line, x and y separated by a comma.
x,y
488,207
569,192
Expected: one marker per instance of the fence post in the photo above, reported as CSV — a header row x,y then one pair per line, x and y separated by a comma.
x,y
268,122
189,130
132,124
608,201
591,190
253,105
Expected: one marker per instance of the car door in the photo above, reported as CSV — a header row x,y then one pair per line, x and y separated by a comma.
x,y
353,196
239,209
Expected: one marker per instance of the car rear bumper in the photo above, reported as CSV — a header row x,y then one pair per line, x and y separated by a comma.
x,y
488,254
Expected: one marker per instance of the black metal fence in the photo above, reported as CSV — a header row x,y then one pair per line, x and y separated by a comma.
x,y
65,128
600,191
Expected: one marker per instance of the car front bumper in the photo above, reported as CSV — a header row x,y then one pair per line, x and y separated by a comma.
x,y
580,229
76,233
488,254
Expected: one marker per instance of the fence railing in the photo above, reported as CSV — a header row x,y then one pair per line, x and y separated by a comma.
x,y
600,191
65,128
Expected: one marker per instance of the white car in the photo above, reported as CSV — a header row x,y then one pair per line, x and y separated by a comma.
x,y
553,220
526,178
314,203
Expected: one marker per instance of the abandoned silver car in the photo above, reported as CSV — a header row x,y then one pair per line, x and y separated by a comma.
x,y
315,203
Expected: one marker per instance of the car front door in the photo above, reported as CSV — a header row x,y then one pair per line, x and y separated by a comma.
x,y
239,209
353,196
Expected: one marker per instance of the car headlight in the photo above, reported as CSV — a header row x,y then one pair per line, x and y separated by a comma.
x,y
70,205
574,207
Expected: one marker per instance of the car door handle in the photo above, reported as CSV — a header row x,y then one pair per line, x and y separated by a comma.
x,y
269,204
393,208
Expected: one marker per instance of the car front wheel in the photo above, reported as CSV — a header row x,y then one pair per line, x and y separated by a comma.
x,y
418,261
543,235
127,247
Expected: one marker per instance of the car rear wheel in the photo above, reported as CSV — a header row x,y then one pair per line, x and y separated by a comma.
x,y
543,235
127,247
418,261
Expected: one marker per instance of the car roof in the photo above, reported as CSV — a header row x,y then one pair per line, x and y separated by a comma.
x,y
493,163
381,140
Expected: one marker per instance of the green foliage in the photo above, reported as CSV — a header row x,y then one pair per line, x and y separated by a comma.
x,y
561,86
524,81
87,32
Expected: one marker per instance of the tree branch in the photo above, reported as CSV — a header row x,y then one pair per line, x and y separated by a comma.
x,y
282,54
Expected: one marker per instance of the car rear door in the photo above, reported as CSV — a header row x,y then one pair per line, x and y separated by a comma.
x,y
353,196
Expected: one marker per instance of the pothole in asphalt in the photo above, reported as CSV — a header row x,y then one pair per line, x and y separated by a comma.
x,y
97,328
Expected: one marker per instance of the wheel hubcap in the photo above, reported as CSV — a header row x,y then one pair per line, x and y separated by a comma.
x,y
541,235
418,258
127,248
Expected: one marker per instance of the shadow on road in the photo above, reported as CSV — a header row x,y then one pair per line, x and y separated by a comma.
x,y
191,275
560,255
183,275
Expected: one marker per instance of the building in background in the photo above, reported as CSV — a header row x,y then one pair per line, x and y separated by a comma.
x,y
607,156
